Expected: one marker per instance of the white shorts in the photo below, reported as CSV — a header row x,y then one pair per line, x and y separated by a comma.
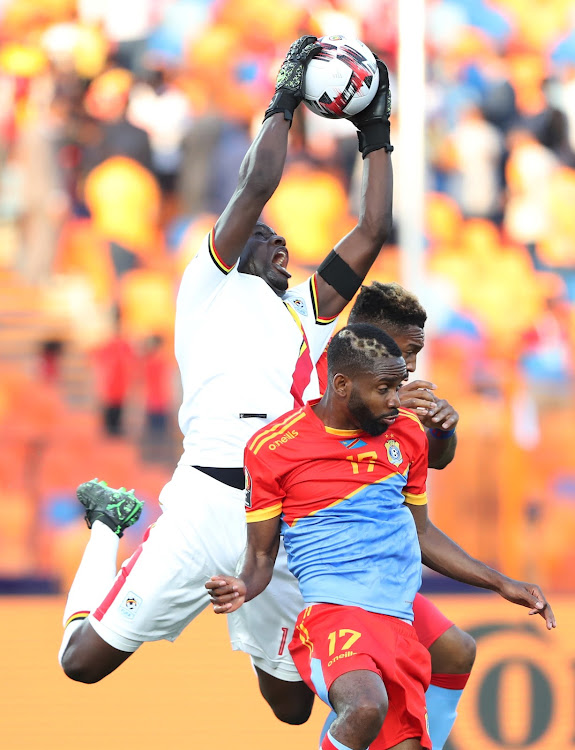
x,y
161,588
264,627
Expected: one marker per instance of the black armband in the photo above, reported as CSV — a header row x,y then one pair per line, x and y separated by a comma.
x,y
336,272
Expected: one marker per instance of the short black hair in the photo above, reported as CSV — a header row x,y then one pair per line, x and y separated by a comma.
x,y
357,347
388,305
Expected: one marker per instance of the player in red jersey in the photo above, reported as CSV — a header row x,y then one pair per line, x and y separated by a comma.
x,y
399,313
343,479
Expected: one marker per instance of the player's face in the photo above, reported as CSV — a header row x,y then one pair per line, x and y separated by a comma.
x,y
266,255
411,341
373,403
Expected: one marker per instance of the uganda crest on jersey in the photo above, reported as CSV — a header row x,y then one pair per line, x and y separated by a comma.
x,y
342,495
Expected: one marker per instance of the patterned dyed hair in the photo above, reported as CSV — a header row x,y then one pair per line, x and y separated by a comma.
x,y
357,347
388,305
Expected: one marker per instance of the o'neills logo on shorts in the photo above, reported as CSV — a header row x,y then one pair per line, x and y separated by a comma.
x,y
345,655
290,435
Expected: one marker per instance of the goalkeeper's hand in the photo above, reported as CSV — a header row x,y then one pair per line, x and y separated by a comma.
x,y
373,121
290,80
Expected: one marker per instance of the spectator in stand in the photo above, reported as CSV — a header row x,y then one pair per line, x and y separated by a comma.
x,y
479,153
157,369
551,125
114,362
107,100
164,112
50,360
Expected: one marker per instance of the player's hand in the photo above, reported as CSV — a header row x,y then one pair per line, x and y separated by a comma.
x,y
373,121
441,417
291,77
417,395
227,593
291,74
527,595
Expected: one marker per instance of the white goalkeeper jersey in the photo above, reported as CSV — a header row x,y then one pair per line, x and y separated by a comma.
x,y
245,355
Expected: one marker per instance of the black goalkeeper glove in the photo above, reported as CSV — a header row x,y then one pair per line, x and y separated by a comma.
x,y
373,121
291,77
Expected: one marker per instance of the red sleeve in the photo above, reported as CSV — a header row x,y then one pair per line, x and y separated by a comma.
x,y
321,368
415,490
264,494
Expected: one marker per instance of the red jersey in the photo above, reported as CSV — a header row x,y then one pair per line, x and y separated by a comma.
x,y
349,536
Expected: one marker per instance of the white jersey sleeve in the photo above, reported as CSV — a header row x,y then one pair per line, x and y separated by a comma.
x,y
204,274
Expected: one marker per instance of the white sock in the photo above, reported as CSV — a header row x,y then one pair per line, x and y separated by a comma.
x,y
94,577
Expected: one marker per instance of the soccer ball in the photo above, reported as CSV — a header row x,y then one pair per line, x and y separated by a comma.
x,y
341,79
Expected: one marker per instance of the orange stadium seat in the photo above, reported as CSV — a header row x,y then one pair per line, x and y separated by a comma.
x,y
497,283
557,247
443,219
310,208
536,24
81,250
192,239
16,458
17,519
62,550
526,74
124,200
114,460
147,301
259,21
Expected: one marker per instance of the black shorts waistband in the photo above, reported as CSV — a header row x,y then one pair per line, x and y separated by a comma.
x,y
231,477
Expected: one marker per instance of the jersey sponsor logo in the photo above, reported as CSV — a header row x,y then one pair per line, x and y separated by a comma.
x,y
393,452
285,438
353,443
299,305
248,487
130,605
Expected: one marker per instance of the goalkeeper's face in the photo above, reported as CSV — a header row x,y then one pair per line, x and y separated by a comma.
x,y
266,255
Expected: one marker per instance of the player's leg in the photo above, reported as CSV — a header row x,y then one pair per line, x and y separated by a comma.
x,y
359,699
291,702
88,658
162,587
108,513
263,628
452,653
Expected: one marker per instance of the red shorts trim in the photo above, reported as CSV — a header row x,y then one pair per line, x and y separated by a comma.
x,y
428,621
120,580
330,640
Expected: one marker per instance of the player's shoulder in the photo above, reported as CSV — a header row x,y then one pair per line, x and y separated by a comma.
x,y
207,259
305,301
409,421
299,298
278,433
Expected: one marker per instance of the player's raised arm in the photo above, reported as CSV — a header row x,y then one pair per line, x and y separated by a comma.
x,y
262,167
228,593
342,272
442,554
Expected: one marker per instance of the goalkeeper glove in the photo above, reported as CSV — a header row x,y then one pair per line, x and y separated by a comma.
x,y
372,122
291,77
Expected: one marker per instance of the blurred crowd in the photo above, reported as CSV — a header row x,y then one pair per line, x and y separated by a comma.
x,y
122,128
